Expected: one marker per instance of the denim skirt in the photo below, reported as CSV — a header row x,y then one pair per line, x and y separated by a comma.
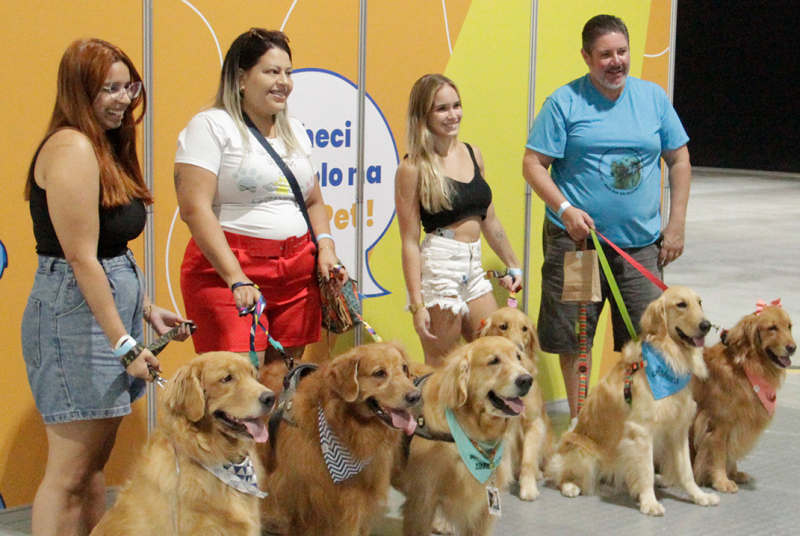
x,y
71,368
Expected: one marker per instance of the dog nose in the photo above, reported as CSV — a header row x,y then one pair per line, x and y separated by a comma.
x,y
267,399
413,397
524,383
705,326
790,348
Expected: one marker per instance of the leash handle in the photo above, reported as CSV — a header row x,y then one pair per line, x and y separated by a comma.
x,y
257,311
612,283
644,271
157,346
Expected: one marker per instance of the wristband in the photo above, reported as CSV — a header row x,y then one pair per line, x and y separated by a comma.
x,y
414,307
514,272
124,345
131,355
564,206
243,284
325,235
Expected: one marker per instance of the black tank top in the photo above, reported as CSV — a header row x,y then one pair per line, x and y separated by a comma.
x,y
469,199
118,225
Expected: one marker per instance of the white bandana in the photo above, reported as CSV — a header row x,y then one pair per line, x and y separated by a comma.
x,y
240,476
341,464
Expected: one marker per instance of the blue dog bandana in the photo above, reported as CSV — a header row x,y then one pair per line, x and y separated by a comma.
x,y
480,458
663,380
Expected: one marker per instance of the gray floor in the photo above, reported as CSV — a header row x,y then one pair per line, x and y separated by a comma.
x,y
742,245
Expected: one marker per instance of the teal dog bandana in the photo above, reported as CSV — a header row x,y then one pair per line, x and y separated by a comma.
x,y
480,458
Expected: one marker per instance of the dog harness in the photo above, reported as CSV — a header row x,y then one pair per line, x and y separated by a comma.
x,y
340,462
421,430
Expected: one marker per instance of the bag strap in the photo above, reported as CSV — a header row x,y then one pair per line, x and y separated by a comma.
x,y
298,195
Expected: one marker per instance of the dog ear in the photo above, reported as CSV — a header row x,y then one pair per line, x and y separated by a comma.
x,y
742,336
654,319
455,380
184,394
533,340
344,374
486,325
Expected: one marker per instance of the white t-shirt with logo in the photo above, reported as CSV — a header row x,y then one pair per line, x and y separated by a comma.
x,y
253,197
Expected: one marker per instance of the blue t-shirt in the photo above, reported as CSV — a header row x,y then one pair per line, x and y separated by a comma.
x,y
608,154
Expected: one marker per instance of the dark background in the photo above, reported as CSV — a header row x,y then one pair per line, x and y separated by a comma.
x,y
737,74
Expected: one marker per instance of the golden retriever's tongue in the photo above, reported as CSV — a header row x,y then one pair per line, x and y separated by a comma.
x,y
785,360
257,429
514,404
403,421
699,341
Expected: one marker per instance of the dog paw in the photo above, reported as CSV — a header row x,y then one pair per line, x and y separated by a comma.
x,y
740,477
706,499
568,489
652,508
441,525
725,486
528,491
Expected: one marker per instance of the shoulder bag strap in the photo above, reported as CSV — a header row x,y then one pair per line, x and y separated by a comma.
x,y
298,195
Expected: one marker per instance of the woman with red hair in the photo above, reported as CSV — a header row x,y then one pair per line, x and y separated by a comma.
x,y
84,315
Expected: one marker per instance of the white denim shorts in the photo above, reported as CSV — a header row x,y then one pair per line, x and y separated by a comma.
x,y
452,274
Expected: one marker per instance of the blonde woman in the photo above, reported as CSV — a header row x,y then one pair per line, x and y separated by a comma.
x,y
249,235
441,187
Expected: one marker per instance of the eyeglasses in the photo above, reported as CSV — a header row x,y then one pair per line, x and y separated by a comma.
x,y
115,91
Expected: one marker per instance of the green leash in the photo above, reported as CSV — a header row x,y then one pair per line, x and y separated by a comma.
x,y
612,283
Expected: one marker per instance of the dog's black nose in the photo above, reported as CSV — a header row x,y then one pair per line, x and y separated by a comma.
x,y
790,348
705,325
413,397
524,383
267,399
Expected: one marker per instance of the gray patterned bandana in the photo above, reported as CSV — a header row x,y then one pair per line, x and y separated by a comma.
x,y
341,464
240,476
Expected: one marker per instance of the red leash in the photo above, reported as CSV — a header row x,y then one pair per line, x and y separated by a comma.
x,y
644,271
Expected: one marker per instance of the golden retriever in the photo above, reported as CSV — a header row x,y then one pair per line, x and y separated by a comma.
x,y
620,442
730,415
365,396
529,442
482,384
211,415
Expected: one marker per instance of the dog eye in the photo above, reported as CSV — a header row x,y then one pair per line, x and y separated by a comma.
x,y
524,329
519,357
379,373
682,305
773,328
405,369
226,379
503,327
495,361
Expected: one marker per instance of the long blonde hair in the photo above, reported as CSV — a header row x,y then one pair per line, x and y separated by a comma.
x,y
435,193
244,53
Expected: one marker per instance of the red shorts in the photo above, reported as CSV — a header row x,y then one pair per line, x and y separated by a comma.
x,y
284,270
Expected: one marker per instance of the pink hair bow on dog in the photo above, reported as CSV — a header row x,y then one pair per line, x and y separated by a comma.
x,y
760,304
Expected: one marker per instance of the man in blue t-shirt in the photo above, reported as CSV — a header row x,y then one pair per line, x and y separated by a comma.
x,y
603,137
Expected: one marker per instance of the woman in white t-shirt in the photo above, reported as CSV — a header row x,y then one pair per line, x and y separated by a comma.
x,y
249,236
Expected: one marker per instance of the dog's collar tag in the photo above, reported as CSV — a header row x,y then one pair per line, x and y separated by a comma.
x,y
493,498
240,476
766,393
480,463
663,380
340,462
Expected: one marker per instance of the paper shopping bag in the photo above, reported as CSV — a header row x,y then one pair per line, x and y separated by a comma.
x,y
581,277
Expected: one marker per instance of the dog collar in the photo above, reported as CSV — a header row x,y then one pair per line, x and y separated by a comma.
x,y
766,393
240,476
340,462
663,380
480,459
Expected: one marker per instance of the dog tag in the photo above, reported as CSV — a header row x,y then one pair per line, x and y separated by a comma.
x,y
493,498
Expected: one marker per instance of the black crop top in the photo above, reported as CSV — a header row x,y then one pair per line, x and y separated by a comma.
x,y
469,199
118,225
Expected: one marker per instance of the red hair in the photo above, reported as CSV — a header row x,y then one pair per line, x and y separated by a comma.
x,y
81,75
